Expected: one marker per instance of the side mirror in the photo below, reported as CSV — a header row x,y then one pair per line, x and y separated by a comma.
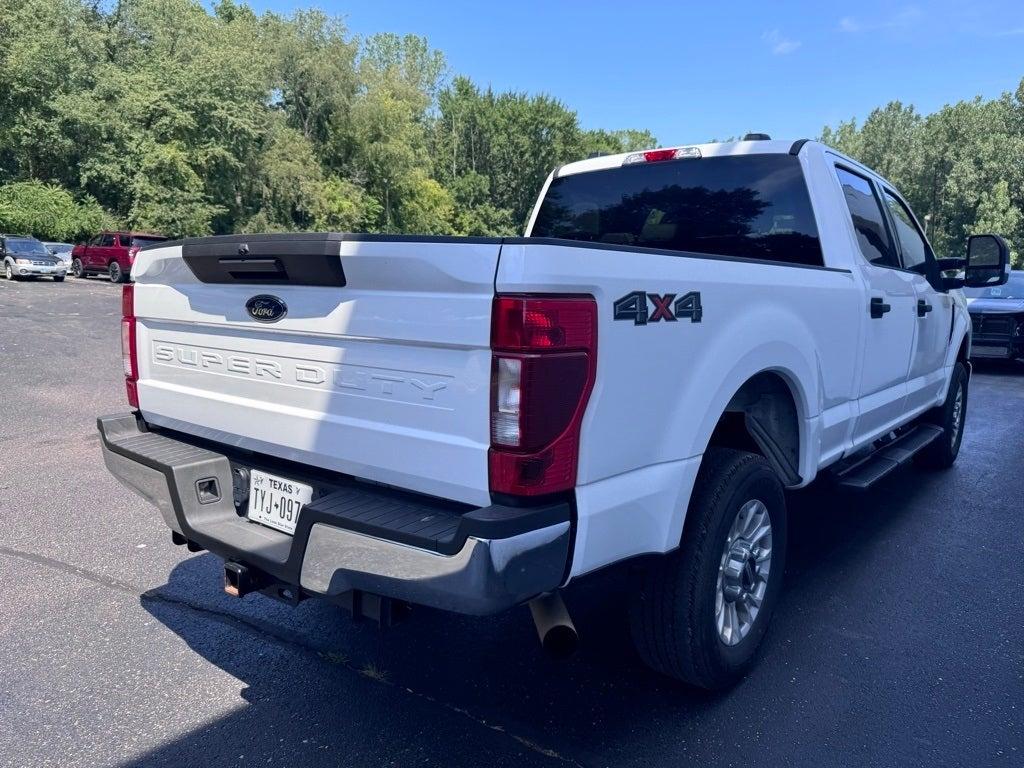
x,y
988,260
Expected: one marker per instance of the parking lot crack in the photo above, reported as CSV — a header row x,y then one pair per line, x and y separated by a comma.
x,y
74,570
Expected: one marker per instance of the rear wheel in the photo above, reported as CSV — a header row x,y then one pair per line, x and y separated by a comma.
x,y
116,273
77,268
951,416
699,613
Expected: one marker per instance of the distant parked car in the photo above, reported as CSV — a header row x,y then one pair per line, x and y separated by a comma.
x,y
110,253
62,251
997,319
24,256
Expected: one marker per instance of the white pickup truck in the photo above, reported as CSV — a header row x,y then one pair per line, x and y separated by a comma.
x,y
472,423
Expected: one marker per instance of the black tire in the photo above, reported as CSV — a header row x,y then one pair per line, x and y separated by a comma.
x,y
9,272
672,614
77,268
58,279
116,273
942,453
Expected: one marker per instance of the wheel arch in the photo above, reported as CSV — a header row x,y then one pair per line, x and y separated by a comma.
x,y
765,415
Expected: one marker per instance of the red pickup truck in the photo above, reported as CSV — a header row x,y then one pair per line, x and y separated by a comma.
x,y
110,253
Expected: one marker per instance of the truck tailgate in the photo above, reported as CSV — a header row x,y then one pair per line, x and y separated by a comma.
x,y
379,368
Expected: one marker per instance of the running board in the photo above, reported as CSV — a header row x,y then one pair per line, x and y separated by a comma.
x,y
886,459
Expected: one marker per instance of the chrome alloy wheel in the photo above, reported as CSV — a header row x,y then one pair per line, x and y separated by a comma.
x,y
743,572
958,416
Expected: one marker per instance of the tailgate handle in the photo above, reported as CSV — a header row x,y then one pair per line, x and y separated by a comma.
x,y
253,266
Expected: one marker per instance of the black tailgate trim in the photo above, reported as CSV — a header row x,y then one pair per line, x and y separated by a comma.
x,y
293,258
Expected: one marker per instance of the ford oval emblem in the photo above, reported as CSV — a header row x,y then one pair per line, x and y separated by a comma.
x,y
266,308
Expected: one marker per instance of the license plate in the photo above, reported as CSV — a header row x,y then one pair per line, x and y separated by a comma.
x,y
277,501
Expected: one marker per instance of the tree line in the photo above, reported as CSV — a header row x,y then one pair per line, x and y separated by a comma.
x,y
164,115
168,116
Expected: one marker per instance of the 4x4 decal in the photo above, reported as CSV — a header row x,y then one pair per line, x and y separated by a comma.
x,y
633,306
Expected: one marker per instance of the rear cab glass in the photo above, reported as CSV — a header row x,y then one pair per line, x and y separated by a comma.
x,y
144,240
746,206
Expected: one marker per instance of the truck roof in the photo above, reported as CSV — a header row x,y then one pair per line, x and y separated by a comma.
x,y
720,149
711,149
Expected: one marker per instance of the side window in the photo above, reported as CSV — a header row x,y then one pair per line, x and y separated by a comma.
x,y
106,241
124,239
912,243
868,219
95,240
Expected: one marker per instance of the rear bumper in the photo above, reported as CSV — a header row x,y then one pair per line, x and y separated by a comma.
x,y
474,561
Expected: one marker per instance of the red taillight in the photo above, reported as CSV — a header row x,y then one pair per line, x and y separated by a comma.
x,y
132,253
129,356
657,155
660,155
543,368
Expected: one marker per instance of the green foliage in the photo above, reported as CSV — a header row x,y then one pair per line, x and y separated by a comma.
x,y
192,118
49,212
341,206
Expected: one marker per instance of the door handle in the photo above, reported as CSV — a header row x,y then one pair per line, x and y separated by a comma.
x,y
879,307
923,307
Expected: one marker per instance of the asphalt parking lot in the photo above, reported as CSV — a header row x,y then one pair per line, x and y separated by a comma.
x,y
898,640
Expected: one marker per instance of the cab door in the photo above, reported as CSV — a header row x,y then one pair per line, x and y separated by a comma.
x,y
889,311
90,252
103,252
934,308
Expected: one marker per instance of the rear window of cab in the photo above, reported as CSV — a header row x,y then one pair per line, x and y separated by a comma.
x,y
747,206
144,240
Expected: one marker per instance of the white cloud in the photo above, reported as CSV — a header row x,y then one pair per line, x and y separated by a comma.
x,y
779,44
902,19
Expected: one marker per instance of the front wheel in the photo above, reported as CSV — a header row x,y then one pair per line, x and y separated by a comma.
x,y
951,416
58,279
77,268
699,614
9,271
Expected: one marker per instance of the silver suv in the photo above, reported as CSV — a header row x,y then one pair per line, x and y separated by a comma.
x,y
27,257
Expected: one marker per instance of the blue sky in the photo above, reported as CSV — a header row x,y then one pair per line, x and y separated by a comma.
x,y
692,72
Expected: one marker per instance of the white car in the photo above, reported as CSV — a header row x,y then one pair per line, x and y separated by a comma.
x,y
63,252
473,423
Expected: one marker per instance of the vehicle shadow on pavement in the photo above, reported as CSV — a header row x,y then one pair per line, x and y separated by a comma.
x,y
318,688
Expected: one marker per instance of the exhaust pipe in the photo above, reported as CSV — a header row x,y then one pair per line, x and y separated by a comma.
x,y
554,626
